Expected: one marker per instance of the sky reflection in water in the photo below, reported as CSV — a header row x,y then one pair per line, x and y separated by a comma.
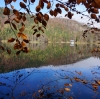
x,y
22,84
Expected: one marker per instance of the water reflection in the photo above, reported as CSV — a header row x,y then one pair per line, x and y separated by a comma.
x,y
49,82
57,71
49,54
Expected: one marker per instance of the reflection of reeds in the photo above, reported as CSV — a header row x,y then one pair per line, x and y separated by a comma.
x,y
53,54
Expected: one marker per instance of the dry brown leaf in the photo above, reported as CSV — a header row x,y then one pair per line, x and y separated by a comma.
x,y
79,1
6,11
77,79
23,36
14,26
6,22
49,5
25,1
8,1
41,4
22,29
17,20
93,16
11,40
66,9
59,10
32,1
35,20
67,89
46,17
16,12
38,8
23,44
22,5
51,12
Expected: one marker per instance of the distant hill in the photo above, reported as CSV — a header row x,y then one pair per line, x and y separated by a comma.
x,y
58,29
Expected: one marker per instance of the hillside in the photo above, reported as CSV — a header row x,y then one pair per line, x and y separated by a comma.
x,y
58,30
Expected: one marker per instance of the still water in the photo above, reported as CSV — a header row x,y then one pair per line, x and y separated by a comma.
x,y
51,72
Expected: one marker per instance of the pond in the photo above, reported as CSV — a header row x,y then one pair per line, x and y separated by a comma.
x,y
52,71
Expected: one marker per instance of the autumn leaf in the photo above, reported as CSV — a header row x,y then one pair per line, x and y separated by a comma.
x,y
32,1
79,1
11,40
17,46
94,10
55,12
26,41
22,36
23,44
19,17
97,81
97,2
25,50
25,1
16,19
62,6
70,15
14,26
22,28
49,5
6,11
77,79
16,12
66,9
14,0
44,23
95,86
68,85
93,16
46,17
6,22
67,89
8,1
41,4
59,10
51,12
84,81
35,20
57,5
38,35
38,8
22,5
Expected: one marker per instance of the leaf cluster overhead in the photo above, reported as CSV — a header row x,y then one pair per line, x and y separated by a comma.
x,y
41,19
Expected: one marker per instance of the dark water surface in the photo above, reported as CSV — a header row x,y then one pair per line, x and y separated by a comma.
x,y
53,72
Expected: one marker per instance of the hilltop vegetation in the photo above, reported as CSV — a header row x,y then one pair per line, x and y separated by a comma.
x,y
58,30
